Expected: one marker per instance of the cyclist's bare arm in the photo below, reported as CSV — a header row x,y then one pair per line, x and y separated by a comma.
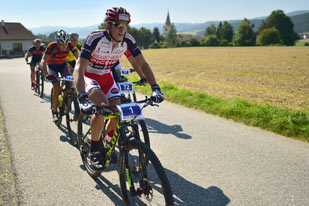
x,y
78,74
136,67
146,69
43,63
27,55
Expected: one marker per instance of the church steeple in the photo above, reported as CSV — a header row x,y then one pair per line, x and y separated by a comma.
x,y
168,21
167,24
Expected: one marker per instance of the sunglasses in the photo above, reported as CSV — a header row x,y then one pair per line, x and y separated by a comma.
x,y
119,25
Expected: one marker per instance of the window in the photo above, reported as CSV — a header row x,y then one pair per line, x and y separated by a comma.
x,y
17,47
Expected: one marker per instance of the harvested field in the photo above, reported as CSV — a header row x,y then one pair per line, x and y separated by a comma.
x,y
266,75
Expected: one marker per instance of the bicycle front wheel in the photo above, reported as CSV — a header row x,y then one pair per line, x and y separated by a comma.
x,y
37,82
141,184
42,84
72,113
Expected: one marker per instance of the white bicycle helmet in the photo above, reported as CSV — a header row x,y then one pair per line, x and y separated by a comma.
x,y
62,37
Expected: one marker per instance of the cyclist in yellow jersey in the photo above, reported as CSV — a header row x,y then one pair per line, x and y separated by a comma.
x,y
71,58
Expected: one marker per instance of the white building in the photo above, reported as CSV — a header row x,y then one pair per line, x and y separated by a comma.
x,y
15,39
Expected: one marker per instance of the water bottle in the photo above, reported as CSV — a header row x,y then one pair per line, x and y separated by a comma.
x,y
60,100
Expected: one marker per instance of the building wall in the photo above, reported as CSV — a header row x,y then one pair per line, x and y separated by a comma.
x,y
7,45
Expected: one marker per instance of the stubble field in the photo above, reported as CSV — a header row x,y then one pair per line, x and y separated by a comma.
x,y
278,76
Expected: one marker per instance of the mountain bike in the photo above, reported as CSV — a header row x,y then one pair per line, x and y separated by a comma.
x,y
68,106
140,183
39,78
128,95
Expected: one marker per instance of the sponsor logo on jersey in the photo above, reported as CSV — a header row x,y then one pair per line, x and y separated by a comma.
x,y
114,90
93,83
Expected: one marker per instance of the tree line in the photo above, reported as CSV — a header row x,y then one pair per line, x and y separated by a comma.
x,y
276,29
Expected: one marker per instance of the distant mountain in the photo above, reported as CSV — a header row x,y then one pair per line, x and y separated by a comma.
x,y
299,18
82,31
301,23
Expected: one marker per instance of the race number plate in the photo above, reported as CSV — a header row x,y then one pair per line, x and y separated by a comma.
x,y
130,111
125,72
126,87
68,78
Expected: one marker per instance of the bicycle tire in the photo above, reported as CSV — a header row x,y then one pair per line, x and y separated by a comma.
x,y
37,82
84,147
143,126
42,84
152,173
72,113
51,100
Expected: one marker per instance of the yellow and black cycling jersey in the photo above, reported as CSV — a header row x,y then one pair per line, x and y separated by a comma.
x,y
71,56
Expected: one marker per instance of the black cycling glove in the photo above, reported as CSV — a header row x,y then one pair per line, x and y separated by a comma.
x,y
86,106
157,95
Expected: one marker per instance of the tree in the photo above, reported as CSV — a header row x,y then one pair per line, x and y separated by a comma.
x,y
211,30
156,34
224,42
284,25
227,31
194,42
211,40
171,37
219,31
52,36
269,36
136,35
102,25
146,37
245,35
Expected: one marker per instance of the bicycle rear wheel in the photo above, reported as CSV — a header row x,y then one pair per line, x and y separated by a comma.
x,y
149,184
72,113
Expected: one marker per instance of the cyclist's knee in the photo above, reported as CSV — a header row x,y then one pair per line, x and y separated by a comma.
x,y
98,97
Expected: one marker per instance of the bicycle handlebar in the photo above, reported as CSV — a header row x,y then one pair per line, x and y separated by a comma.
x,y
106,110
68,78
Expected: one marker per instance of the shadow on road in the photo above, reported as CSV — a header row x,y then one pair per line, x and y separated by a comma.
x,y
111,190
188,193
185,192
65,137
155,126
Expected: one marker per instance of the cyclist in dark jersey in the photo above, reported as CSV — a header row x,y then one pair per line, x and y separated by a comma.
x,y
36,52
93,77
55,57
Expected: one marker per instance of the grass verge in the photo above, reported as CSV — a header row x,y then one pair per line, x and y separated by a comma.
x,y
282,121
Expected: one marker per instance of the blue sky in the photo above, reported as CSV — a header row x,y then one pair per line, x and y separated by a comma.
x,y
35,13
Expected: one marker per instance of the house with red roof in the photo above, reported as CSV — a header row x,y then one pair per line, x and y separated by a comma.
x,y
15,39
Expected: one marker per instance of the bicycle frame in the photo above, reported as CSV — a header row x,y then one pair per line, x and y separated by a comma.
x,y
121,125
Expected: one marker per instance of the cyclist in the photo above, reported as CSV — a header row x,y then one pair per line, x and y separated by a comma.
x,y
36,52
54,57
71,58
93,78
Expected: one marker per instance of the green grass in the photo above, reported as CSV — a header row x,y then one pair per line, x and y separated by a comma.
x,y
301,43
282,121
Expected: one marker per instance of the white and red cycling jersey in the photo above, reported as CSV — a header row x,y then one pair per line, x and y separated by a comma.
x,y
102,57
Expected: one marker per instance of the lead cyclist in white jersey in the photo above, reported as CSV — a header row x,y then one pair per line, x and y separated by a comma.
x,y
94,80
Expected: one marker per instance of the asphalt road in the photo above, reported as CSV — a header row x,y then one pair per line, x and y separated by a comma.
x,y
209,160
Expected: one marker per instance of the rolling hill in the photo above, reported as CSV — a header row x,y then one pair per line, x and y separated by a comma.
x,y
299,18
